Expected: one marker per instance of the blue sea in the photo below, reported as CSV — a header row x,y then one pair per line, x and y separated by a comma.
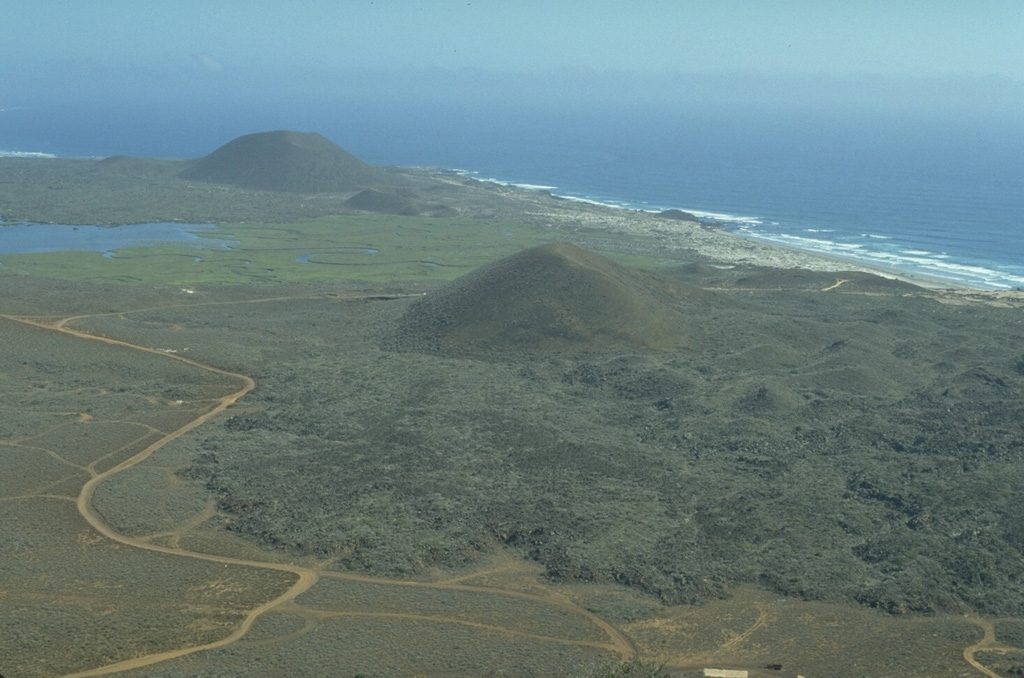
x,y
941,195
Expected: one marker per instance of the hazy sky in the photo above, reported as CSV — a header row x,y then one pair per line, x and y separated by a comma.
x,y
104,76
166,37
282,62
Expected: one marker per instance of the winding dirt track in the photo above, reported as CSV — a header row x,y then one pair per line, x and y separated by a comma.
x,y
987,642
618,642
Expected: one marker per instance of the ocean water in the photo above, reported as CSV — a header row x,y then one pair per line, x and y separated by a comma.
x,y
941,195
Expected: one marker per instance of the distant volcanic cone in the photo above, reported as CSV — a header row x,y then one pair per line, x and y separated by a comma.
x,y
556,297
296,162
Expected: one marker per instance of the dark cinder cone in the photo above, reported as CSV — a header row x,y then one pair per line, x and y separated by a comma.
x,y
556,297
295,162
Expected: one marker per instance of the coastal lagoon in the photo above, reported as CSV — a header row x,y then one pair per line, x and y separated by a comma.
x,y
26,238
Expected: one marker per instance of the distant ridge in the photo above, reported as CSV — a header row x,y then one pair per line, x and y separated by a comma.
x,y
295,162
555,297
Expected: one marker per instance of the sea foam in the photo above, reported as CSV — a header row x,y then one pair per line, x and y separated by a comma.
x,y
896,259
25,154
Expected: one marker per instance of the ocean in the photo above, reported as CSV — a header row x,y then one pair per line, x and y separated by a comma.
x,y
941,195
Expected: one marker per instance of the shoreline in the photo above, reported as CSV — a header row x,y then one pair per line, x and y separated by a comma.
x,y
929,282
814,259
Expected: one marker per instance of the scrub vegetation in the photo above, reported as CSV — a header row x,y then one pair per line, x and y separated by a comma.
x,y
521,461
800,443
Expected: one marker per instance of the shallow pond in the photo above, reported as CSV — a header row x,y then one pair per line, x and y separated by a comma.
x,y
27,237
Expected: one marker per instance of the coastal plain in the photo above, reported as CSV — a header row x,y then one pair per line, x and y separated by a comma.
x,y
784,462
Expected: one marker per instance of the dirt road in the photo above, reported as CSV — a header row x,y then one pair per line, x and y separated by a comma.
x,y
305,577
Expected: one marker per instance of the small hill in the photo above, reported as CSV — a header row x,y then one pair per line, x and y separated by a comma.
x,y
383,202
556,297
803,279
130,165
294,162
116,160
787,279
677,215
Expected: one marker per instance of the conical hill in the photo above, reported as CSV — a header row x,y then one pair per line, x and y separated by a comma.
x,y
556,297
296,162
